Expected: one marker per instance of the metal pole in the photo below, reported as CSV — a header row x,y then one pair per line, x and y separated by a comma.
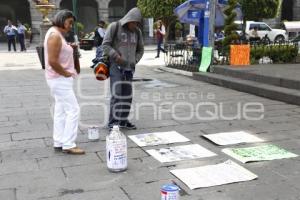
x,y
212,23
212,20
75,14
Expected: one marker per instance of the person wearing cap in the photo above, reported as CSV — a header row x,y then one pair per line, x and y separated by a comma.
x,y
10,31
123,43
60,72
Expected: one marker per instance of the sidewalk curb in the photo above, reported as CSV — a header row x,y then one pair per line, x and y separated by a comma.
x,y
252,76
287,95
176,71
266,90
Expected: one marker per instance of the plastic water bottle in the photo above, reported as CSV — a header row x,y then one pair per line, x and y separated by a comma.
x,y
116,150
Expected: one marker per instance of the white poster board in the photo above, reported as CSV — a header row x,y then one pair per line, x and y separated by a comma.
x,y
229,138
151,31
213,175
158,138
178,153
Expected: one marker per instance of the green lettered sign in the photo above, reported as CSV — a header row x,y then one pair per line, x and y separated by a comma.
x,y
259,153
206,59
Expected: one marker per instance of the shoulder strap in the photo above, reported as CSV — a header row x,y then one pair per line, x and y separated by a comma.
x,y
116,30
114,39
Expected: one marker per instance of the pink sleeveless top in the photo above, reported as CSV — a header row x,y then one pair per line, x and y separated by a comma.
x,y
65,56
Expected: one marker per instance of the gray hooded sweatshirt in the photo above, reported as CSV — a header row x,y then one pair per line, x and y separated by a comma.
x,y
129,45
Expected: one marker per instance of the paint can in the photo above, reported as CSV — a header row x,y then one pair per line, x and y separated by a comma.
x,y
93,133
169,192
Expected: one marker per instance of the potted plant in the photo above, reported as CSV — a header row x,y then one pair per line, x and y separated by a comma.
x,y
178,31
28,35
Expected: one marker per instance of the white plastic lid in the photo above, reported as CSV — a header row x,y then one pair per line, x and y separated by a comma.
x,y
115,128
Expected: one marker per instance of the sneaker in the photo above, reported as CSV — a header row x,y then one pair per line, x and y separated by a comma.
x,y
127,125
110,126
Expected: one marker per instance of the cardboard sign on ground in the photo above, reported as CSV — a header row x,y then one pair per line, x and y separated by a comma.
x,y
258,153
178,153
158,138
229,138
213,175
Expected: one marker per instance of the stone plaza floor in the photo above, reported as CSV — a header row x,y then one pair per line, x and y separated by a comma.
x,y
31,170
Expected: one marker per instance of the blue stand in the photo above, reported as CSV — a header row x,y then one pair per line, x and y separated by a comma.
x,y
200,27
203,28
206,24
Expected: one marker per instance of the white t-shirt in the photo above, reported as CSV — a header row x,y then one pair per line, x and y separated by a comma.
x,y
10,30
101,32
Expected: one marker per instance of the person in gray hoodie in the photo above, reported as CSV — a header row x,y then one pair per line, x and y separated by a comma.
x,y
123,43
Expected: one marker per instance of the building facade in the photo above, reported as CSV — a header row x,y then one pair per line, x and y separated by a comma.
x,y
89,12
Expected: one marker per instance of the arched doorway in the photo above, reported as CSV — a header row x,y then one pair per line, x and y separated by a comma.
x,y
118,8
287,10
87,13
13,10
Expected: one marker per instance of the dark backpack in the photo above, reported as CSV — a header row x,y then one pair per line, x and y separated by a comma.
x,y
100,57
97,39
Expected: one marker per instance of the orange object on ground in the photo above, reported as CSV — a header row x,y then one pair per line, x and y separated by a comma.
x,y
239,54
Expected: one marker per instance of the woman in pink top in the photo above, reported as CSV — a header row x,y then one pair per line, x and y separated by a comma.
x,y
60,73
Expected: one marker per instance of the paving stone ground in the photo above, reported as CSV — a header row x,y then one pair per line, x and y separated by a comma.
x,y
31,170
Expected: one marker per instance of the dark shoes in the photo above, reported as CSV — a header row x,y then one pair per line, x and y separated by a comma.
x,y
127,125
57,149
156,56
110,126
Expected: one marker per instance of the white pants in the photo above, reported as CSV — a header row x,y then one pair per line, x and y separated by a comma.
x,y
66,112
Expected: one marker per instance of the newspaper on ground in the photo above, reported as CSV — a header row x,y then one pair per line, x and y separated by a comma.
x,y
229,138
158,138
213,175
258,153
178,153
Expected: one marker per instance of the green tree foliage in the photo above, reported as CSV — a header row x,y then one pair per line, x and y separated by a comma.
x,y
230,26
259,9
160,9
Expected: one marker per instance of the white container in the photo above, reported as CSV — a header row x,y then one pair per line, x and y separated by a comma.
x,y
116,150
169,192
93,133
